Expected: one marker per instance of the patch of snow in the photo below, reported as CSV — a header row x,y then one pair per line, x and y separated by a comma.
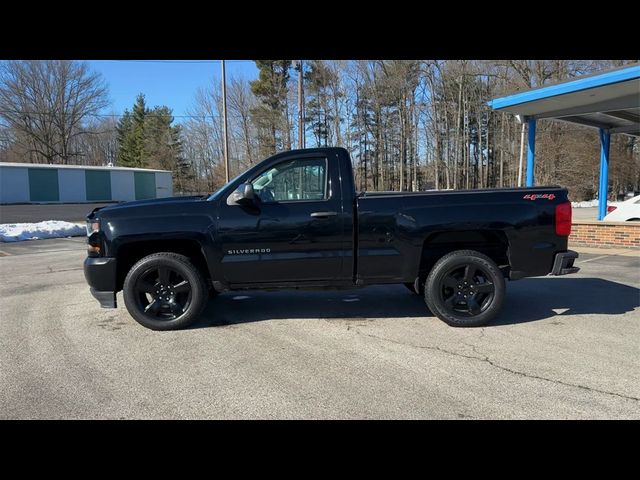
x,y
16,232
585,204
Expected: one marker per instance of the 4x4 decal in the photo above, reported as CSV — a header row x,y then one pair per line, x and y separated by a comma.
x,y
535,196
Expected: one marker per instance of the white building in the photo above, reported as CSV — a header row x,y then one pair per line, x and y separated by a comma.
x,y
35,183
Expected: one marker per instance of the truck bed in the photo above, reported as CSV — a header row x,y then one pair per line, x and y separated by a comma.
x,y
397,225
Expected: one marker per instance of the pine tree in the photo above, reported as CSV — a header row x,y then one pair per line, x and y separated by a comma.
x,y
131,135
124,129
162,145
139,115
269,116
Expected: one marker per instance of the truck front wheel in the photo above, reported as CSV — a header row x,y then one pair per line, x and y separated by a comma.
x,y
465,288
165,291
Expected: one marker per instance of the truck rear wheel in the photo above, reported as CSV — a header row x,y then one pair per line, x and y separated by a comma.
x,y
165,291
465,288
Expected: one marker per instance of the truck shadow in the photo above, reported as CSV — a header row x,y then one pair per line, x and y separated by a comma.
x,y
527,300
543,298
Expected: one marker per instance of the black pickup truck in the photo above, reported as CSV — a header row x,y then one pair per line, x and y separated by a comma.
x,y
296,221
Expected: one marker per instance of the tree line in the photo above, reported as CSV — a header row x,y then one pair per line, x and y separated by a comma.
x,y
409,125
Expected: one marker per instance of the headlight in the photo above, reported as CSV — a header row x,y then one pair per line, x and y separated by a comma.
x,y
93,238
92,226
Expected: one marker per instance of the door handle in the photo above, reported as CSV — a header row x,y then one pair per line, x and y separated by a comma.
x,y
323,214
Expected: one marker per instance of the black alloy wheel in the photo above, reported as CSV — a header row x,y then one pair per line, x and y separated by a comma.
x,y
163,293
467,290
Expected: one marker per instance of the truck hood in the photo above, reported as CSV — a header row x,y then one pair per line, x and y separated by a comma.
x,y
152,202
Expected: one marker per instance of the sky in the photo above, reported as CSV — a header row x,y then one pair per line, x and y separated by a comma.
x,y
165,82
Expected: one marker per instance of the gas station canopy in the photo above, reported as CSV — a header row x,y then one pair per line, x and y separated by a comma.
x,y
609,101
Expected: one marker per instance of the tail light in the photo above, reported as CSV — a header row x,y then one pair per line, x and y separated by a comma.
x,y
563,219
611,209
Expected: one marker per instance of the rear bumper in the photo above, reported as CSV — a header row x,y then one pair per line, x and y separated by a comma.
x,y
563,263
100,273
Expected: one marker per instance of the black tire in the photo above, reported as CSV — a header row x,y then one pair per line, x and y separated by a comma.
x,y
459,304
165,291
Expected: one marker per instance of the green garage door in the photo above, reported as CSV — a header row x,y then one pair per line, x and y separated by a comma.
x,y
43,185
145,185
98,185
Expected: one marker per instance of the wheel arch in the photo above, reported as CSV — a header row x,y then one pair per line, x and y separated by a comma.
x,y
131,252
493,243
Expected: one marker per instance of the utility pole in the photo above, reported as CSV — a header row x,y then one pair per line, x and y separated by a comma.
x,y
301,143
224,123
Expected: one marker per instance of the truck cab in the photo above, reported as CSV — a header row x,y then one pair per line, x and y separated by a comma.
x,y
292,223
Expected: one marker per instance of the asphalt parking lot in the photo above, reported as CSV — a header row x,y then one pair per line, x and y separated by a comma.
x,y
563,347
583,214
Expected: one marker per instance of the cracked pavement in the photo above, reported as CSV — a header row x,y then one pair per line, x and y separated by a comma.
x,y
562,348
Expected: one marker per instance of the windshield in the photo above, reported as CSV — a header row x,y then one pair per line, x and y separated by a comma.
x,y
217,193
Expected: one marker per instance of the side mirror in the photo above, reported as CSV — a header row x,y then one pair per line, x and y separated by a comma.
x,y
243,195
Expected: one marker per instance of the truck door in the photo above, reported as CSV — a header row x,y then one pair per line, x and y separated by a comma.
x,y
294,230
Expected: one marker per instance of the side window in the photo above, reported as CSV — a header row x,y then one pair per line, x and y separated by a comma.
x,y
293,180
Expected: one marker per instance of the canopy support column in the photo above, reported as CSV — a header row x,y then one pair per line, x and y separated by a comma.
x,y
531,150
605,137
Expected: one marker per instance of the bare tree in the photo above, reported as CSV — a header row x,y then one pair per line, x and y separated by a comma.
x,y
100,146
202,135
48,103
241,101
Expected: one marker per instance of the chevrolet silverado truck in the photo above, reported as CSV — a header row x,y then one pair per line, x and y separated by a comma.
x,y
295,221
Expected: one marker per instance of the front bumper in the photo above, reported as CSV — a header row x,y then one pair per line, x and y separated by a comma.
x,y
100,273
106,299
563,263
